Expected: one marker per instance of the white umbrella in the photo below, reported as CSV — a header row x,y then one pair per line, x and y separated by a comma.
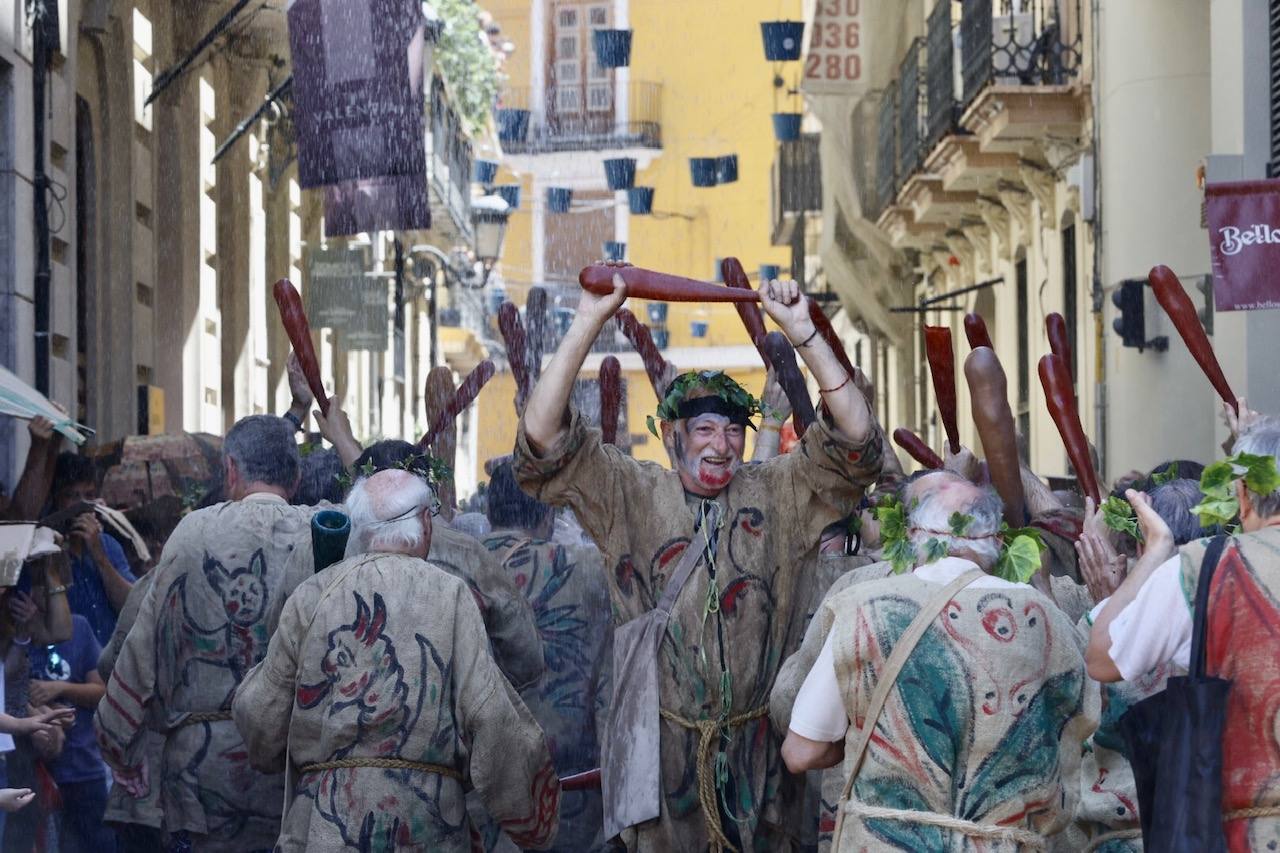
x,y
20,400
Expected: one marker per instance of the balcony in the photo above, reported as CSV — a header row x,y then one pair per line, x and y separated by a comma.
x,y
985,109
796,185
449,156
610,117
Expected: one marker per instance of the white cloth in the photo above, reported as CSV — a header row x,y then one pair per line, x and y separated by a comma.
x,y
818,713
6,740
1155,627
269,497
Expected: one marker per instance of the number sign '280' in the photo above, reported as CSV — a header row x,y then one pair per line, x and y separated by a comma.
x,y
834,57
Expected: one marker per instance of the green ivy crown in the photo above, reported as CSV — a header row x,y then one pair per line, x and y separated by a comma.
x,y
430,468
717,382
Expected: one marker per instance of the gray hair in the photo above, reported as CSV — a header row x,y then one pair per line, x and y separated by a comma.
x,y
1173,502
1263,440
390,520
929,517
263,450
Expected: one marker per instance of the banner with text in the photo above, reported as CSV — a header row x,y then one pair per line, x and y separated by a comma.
x,y
339,295
357,88
1244,242
835,56
391,203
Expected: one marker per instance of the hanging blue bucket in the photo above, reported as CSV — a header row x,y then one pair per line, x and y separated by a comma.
x,y
613,47
640,200
783,40
661,337
497,296
769,272
620,173
513,124
558,199
484,171
615,251
657,313
703,171
510,193
699,328
786,126
727,169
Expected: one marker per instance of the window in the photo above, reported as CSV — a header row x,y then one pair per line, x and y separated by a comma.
x,y
599,16
567,18
141,69
581,98
567,47
1070,308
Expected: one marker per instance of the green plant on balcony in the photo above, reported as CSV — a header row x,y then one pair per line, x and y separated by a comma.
x,y
464,57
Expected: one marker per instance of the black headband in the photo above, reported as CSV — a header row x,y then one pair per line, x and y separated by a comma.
x,y
713,405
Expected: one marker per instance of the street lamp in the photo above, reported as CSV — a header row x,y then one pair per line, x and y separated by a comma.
x,y
489,216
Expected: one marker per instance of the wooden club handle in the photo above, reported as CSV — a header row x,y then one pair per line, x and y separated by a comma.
x,y
299,332
828,334
1055,328
916,448
638,333
787,372
610,398
650,284
942,367
1175,302
535,315
975,329
994,419
752,318
517,348
467,392
1059,394
588,781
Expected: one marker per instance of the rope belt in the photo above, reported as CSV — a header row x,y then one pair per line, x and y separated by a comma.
x,y
968,828
707,730
384,763
1114,835
1256,811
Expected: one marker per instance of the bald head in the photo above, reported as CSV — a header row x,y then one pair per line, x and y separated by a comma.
x,y
390,511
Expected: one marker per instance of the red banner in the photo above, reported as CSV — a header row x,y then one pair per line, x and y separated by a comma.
x,y
1244,242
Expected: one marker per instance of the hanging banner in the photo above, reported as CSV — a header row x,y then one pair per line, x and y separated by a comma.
x,y
834,57
358,73
338,295
1244,242
392,203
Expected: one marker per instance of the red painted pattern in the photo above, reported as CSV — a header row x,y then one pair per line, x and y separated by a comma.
x,y
538,828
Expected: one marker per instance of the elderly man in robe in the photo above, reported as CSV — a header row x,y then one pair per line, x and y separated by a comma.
x,y
380,698
689,761
213,604
980,737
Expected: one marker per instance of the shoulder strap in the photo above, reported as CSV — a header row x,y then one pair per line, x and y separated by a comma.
x,y
1200,618
888,676
688,561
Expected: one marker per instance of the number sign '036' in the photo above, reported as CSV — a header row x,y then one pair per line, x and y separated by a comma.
x,y
834,56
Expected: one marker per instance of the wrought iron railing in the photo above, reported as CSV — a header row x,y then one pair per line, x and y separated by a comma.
x,y
586,118
451,157
911,148
886,149
1020,42
943,115
797,176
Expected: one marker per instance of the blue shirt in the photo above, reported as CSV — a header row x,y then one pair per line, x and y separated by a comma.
x,y
88,597
72,661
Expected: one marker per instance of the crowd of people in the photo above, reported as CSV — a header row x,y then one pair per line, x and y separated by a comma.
x,y
808,650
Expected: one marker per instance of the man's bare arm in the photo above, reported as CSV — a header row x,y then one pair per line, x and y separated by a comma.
x,y
789,308
545,413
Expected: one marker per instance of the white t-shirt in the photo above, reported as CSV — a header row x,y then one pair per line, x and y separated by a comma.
x,y
1155,627
819,712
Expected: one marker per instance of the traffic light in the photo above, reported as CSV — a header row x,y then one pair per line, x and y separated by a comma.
x,y
1131,325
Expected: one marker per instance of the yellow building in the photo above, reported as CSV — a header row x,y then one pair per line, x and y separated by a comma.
x,y
697,86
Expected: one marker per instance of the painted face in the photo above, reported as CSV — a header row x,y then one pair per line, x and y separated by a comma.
x,y
706,452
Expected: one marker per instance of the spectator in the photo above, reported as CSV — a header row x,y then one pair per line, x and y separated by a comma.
x,y
66,674
100,576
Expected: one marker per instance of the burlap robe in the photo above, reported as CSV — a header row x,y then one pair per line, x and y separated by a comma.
x,y
385,656
508,617
215,600
1244,646
566,587
984,723
774,515
822,787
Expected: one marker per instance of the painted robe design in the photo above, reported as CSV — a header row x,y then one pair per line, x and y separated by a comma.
x,y
216,598
773,515
985,721
385,656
